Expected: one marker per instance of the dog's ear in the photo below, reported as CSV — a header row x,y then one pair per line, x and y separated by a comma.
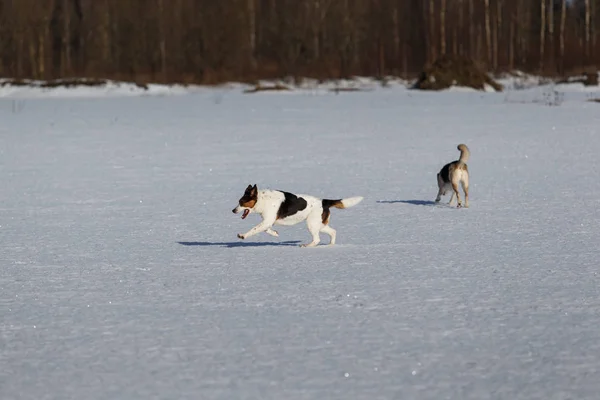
x,y
253,190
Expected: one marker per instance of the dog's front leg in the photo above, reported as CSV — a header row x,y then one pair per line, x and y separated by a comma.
x,y
272,232
262,227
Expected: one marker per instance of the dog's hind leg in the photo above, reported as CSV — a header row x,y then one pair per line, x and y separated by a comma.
x,y
439,195
331,232
314,225
456,192
440,188
465,185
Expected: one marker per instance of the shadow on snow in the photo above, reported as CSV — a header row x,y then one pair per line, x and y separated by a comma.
x,y
413,202
240,244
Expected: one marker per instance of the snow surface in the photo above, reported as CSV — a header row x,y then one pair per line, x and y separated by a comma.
x,y
111,89
121,276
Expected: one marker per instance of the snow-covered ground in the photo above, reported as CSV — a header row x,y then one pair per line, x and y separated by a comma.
x,y
121,276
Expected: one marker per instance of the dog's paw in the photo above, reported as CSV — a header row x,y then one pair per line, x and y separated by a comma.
x,y
241,236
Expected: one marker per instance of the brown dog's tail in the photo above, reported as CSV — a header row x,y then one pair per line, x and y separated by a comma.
x,y
464,153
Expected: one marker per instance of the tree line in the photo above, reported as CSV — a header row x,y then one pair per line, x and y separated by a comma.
x,y
210,41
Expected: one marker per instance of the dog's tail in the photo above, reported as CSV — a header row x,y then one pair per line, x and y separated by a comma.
x,y
464,153
342,203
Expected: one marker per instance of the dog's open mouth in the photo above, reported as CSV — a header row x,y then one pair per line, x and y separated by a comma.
x,y
245,214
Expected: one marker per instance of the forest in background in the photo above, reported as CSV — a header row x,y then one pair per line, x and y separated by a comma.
x,y
212,41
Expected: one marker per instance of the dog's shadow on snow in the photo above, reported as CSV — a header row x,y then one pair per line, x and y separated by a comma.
x,y
241,244
413,202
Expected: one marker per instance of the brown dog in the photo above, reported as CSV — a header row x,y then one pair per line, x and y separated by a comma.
x,y
454,173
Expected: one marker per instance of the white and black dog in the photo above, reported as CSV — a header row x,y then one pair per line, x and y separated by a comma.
x,y
454,173
283,208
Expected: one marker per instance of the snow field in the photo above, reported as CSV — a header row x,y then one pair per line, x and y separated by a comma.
x,y
122,276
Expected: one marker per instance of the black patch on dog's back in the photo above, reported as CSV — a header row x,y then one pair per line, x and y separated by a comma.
x,y
291,205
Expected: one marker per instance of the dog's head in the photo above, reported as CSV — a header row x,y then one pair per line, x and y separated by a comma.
x,y
247,201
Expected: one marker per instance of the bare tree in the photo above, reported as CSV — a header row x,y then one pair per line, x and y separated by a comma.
x,y
488,34
432,49
594,12
472,26
551,33
186,40
542,32
443,27
396,31
458,45
497,33
66,37
252,32
162,39
587,29
563,19
511,43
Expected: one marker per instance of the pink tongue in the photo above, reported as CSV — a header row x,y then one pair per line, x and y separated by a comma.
x,y
245,214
